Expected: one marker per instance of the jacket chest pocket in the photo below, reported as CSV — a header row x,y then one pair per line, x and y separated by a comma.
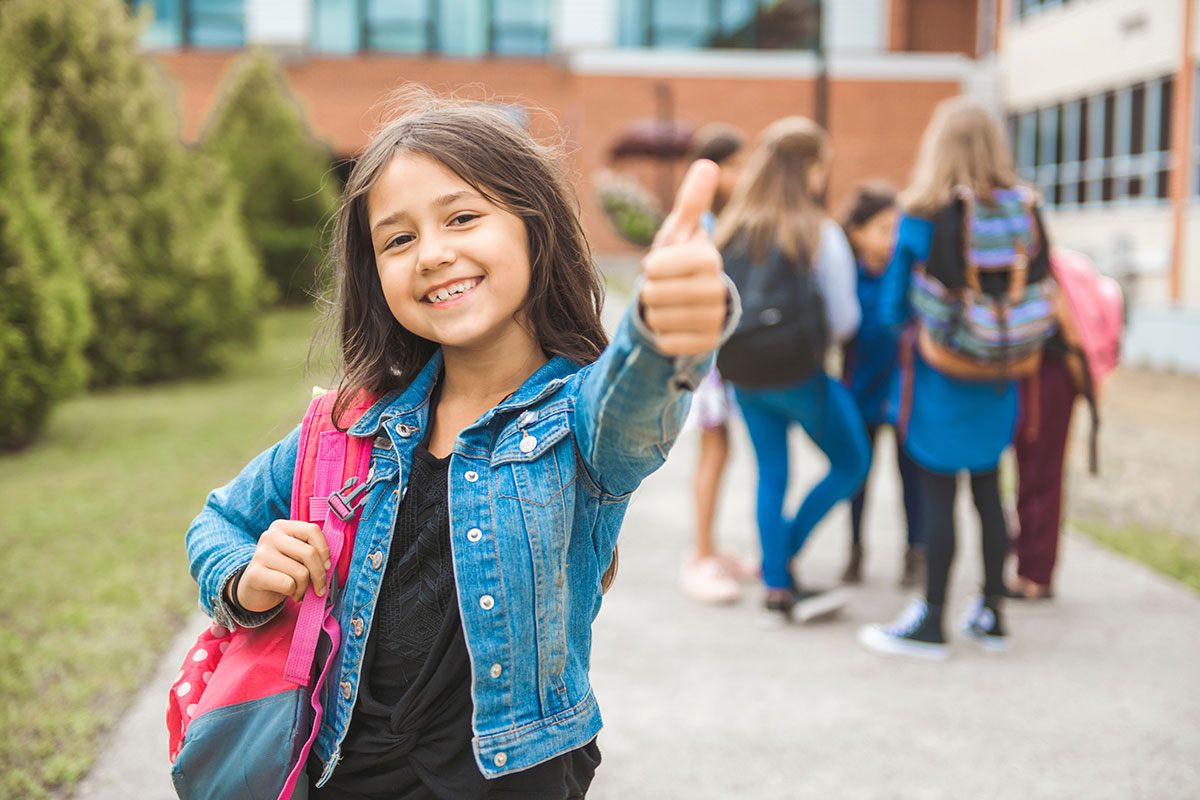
x,y
538,457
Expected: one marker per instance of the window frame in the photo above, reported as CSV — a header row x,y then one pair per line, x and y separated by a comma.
x,y
183,30
1084,146
433,23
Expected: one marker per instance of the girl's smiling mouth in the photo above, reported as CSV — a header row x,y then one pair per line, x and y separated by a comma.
x,y
451,292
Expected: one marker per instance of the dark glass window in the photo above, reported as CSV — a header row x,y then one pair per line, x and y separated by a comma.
x,y
1107,186
450,27
192,23
1084,117
755,24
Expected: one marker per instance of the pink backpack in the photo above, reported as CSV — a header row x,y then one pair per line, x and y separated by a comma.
x,y
1091,318
245,709
1097,310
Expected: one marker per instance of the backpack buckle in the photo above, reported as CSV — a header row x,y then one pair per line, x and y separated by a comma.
x,y
344,505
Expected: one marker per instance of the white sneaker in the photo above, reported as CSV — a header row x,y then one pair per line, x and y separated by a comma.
x,y
916,634
742,570
983,625
811,605
708,581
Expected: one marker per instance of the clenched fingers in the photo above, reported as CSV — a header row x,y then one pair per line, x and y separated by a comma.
x,y
298,550
700,320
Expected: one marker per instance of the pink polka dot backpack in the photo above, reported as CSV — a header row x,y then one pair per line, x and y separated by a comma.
x,y
246,707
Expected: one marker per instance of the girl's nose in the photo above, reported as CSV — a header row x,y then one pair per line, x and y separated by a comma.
x,y
435,254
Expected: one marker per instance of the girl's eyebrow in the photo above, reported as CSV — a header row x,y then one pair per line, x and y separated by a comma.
x,y
441,202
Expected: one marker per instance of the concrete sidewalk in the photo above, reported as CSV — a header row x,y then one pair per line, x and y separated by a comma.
x,y
1099,697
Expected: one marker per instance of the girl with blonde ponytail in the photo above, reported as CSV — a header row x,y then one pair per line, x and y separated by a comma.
x,y
950,423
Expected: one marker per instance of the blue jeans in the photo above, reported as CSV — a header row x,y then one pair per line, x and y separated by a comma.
x,y
826,411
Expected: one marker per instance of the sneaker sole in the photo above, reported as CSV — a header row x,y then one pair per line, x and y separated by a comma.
x,y
990,644
876,640
824,605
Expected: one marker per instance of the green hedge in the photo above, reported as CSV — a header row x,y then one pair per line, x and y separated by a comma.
x,y
289,190
44,319
154,228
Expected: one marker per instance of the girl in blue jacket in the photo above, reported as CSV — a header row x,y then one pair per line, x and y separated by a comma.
x,y
507,438
869,365
948,425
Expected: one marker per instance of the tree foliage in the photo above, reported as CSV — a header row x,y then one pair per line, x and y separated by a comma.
x,y
154,227
44,319
288,189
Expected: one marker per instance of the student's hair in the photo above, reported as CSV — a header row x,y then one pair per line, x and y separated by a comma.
x,y
715,141
963,144
869,198
772,204
502,162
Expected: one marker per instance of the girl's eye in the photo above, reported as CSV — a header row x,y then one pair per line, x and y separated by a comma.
x,y
396,241
462,219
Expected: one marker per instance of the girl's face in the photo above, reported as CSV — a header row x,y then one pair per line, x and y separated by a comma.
x,y
454,267
873,240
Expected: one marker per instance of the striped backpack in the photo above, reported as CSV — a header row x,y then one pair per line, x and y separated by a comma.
x,y
985,301
245,709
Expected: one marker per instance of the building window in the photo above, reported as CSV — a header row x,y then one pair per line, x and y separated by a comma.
x,y
192,23
1023,8
519,27
1108,148
449,27
753,24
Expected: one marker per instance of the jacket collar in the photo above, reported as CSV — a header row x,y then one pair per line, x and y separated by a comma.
x,y
412,399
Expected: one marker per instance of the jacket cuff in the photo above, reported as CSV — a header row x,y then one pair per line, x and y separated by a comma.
x,y
688,369
231,614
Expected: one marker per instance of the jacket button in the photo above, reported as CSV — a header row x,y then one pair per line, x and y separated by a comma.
x,y
471,476
497,670
376,559
527,443
500,760
474,535
527,418
347,689
358,626
405,430
486,602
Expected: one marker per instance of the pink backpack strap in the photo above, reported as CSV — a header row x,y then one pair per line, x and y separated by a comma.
x,y
329,486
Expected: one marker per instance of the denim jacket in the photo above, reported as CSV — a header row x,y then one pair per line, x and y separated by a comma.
x,y
538,487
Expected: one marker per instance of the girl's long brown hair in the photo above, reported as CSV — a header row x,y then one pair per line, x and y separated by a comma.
x,y
501,161
773,204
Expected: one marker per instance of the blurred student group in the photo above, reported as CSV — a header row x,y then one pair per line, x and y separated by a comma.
x,y
935,190
957,176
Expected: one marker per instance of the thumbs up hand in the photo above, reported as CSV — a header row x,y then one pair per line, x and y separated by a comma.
x,y
683,295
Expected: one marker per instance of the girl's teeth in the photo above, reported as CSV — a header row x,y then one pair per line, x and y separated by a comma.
x,y
447,292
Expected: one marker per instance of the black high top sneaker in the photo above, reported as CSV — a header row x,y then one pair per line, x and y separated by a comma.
x,y
917,633
984,625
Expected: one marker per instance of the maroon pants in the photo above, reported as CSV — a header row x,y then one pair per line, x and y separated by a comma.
x,y
1040,468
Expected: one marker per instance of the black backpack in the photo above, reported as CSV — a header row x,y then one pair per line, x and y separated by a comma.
x,y
783,334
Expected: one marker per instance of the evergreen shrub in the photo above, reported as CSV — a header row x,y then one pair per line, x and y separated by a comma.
x,y
155,227
44,318
288,189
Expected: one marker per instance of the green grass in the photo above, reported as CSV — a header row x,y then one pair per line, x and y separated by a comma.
x,y
92,520
1167,552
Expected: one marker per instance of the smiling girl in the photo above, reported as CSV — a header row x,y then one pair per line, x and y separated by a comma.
x,y
508,436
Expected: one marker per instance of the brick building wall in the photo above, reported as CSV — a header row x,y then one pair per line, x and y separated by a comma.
x,y
875,123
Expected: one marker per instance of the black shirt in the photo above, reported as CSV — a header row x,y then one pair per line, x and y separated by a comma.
x,y
410,733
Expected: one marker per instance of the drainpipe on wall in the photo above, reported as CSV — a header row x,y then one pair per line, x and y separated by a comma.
x,y
1181,152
